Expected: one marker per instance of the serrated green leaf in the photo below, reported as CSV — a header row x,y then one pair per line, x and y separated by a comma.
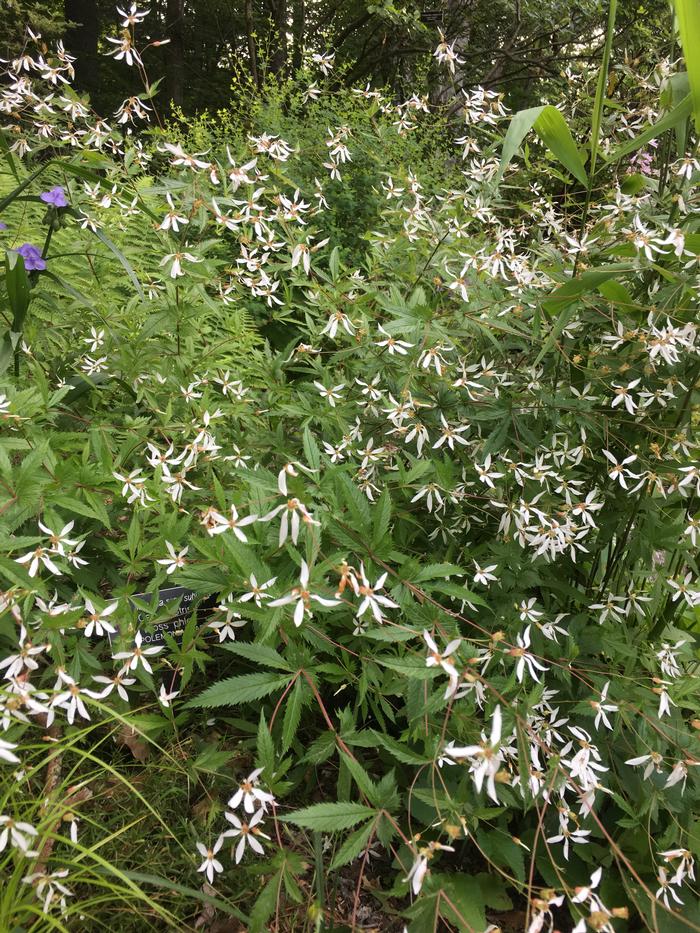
x,y
265,748
259,654
236,690
353,846
401,752
292,712
328,817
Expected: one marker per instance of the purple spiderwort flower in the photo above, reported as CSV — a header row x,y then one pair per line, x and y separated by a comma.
x,y
33,260
3,226
56,197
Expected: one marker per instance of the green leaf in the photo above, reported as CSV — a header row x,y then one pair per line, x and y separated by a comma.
x,y
416,670
688,16
353,846
81,508
328,817
382,517
17,284
292,712
401,752
259,654
311,451
361,778
265,748
552,129
236,690
586,282
334,263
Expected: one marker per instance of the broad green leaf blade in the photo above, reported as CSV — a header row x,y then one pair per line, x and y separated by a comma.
x,y
585,282
328,817
552,129
676,88
688,16
518,128
241,689
17,283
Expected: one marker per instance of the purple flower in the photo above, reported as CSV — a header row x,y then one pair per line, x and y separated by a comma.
x,y
33,260
56,197
3,226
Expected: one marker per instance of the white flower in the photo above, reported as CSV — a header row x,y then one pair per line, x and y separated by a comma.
x,y
118,682
487,473
450,435
371,599
331,395
419,869
666,888
36,557
226,627
52,884
487,756
71,701
59,539
16,833
602,708
134,487
652,761
137,655
97,619
249,832
172,220
302,597
165,696
484,575
578,836
211,865
291,511
6,752
175,561
257,591
525,659
437,658
393,344
250,794
234,523
618,471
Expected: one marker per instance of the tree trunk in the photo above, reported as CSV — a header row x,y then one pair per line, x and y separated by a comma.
x,y
252,51
175,51
278,60
298,30
81,41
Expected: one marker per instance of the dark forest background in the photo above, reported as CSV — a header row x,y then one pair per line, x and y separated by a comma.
x,y
521,47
